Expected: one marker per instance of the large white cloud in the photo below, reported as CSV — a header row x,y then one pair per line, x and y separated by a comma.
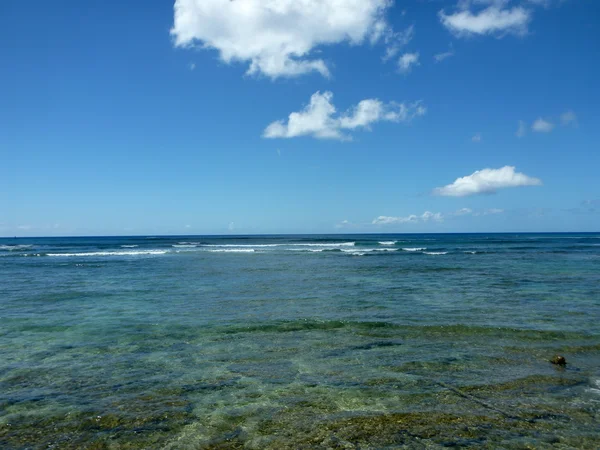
x,y
493,20
487,181
319,118
277,37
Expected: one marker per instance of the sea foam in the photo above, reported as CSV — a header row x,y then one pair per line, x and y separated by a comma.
x,y
118,253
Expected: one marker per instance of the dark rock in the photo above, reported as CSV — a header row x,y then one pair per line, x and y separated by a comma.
x,y
559,360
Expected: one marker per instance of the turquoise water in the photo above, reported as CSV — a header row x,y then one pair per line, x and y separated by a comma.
x,y
344,341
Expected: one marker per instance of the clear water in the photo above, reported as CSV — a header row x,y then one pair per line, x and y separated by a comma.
x,y
355,341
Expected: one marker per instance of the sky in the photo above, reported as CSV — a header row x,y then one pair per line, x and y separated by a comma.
x,y
299,116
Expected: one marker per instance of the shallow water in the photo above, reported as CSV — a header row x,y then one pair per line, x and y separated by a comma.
x,y
389,341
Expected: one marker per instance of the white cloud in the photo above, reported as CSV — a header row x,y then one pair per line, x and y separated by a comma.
x,y
493,20
542,126
442,56
429,216
231,226
463,212
425,217
192,66
396,40
477,138
568,118
522,130
487,181
407,61
277,37
319,119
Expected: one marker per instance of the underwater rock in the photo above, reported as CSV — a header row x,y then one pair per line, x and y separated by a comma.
x,y
559,360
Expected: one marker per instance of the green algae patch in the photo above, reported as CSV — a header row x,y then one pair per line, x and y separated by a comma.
x,y
144,422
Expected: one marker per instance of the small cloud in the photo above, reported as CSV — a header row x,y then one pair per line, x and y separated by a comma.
x,y
522,130
487,212
463,212
542,126
24,227
231,226
476,138
425,217
344,224
493,20
396,40
279,152
319,119
487,181
407,61
192,66
568,118
442,56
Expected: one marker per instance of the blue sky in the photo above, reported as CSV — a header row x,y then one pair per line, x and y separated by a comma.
x,y
310,116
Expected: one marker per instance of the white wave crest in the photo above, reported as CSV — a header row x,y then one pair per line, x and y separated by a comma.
x,y
184,245
331,244
414,249
388,242
128,246
123,253
470,252
241,245
232,250
435,253
15,248
369,250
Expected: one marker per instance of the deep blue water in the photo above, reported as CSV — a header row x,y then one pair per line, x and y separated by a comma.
x,y
341,341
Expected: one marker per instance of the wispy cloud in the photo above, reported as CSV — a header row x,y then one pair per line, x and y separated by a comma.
x,y
493,20
407,61
277,38
568,118
439,57
477,138
522,129
590,206
425,217
542,126
428,216
319,119
395,41
487,181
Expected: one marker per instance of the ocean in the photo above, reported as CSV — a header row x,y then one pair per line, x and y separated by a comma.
x,y
309,341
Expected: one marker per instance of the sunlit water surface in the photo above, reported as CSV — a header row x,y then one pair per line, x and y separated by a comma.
x,y
389,341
